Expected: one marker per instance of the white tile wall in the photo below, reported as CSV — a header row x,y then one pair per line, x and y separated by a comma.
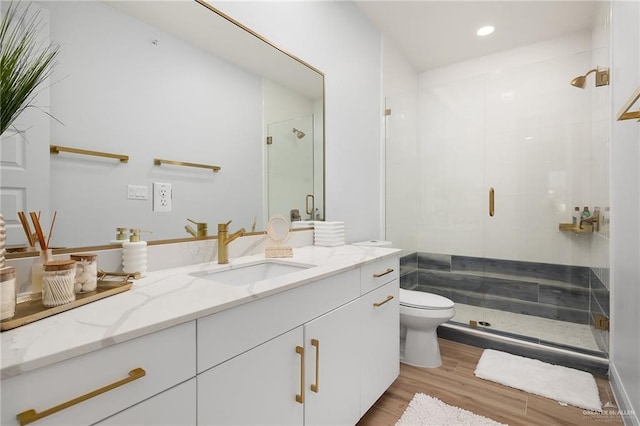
x,y
513,122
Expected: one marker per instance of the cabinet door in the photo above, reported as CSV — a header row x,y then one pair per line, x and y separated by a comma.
x,y
258,387
173,407
332,395
380,342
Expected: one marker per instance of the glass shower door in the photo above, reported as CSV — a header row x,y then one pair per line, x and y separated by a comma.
x,y
290,168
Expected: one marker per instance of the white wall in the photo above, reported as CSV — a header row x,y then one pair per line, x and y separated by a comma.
x,y
625,205
510,121
338,40
116,91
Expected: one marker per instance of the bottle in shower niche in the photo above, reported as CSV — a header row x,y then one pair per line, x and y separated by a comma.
x,y
576,216
134,254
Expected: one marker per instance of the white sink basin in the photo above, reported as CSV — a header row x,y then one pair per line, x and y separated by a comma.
x,y
250,274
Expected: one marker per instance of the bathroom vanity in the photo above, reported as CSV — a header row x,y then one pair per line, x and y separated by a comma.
x,y
314,344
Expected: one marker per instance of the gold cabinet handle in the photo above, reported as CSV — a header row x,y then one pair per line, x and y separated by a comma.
x,y
492,199
378,304
300,396
388,271
31,416
316,386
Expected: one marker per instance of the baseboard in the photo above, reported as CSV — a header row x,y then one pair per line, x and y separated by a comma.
x,y
629,415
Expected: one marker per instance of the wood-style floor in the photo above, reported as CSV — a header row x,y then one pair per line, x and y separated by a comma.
x,y
455,384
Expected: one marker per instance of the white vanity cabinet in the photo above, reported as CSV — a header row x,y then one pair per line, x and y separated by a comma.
x,y
318,353
335,351
70,392
380,342
315,325
309,375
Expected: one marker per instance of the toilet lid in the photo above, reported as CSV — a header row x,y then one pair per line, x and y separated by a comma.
x,y
424,300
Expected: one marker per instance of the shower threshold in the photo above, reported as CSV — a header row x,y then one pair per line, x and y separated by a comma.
x,y
557,342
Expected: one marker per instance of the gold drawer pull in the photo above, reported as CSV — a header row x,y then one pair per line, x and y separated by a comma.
x,y
316,386
31,416
300,396
388,271
377,305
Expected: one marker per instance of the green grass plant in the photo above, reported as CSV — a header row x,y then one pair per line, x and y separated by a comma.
x,y
25,64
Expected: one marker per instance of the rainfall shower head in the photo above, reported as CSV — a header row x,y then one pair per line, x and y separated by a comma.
x,y
299,134
602,78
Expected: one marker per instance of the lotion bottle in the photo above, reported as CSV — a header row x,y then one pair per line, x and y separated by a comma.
x,y
134,254
576,216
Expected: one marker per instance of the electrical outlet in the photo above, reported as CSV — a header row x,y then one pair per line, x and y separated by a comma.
x,y
161,197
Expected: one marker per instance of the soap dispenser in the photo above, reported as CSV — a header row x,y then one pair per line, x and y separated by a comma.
x,y
134,254
121,236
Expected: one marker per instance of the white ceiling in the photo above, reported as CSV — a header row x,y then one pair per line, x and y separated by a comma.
x,y
433,33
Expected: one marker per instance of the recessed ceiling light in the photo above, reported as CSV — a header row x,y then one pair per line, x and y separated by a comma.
x,y
486,30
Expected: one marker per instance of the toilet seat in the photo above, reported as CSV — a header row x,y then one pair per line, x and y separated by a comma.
x,y
422,300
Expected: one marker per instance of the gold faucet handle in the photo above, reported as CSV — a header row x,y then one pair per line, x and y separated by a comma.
x,y
223,227
201,225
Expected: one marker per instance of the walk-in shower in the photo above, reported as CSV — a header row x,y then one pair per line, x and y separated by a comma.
x,y
508,123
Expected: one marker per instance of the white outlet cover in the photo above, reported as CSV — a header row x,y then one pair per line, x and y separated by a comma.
x,y
162,194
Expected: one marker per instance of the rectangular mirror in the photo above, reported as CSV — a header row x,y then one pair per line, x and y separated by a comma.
x,y
172,80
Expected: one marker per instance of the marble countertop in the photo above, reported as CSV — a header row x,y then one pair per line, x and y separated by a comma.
x,y
161,300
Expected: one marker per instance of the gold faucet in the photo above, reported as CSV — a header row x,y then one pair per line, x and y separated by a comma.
x,y
224,239
201,226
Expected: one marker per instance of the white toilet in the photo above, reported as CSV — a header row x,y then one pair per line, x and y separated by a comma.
x,y
420,315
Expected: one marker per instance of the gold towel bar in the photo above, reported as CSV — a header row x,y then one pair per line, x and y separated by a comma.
x,y
56,149
31,416
624,113
158,161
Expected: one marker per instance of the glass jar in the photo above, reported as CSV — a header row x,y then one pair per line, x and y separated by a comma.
x,y
86,278
8,290
58,282
37,269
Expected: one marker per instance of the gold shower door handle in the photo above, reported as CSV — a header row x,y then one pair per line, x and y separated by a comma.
x,y
308,209
492,200
300,396
31,415
316,386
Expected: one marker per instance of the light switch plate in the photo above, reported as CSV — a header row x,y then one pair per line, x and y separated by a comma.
x,y
161,197
137,192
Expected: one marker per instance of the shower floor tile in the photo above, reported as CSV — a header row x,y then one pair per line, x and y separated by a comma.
x,y
560,332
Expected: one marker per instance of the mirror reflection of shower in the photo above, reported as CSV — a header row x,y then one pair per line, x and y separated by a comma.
x,y
299,133
290,168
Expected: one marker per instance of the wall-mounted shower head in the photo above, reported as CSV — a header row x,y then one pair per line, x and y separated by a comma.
x,y
299,134
602,78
